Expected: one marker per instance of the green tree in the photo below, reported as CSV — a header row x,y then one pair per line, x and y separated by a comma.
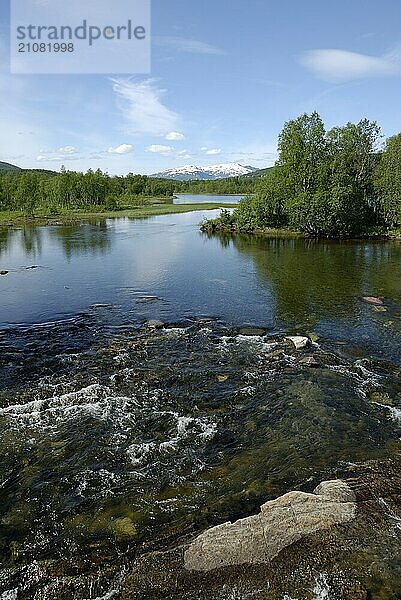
x,y
387,181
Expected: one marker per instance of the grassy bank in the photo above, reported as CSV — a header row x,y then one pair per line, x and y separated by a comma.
x,y
225,225
18,218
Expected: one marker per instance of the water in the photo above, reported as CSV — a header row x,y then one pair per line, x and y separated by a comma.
x,y
116,439
205,198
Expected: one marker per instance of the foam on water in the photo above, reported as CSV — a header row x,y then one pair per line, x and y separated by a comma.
x,y
322,589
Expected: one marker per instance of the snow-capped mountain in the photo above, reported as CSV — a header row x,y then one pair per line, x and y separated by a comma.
x,y
212,172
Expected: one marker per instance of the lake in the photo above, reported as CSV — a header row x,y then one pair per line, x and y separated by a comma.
x,y
117,437
204,198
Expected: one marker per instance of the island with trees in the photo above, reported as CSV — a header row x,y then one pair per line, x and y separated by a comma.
x,y
325,183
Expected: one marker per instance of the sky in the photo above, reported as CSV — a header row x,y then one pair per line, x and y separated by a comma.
x,y
226,75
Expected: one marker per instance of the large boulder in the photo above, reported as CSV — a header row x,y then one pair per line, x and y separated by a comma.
x,y
280,523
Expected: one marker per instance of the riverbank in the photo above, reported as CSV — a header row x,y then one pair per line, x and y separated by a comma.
x,y
18,218
220,226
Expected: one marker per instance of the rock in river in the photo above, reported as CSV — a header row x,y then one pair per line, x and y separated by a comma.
x,y
300,342
372,300
155,324
3,272
280,523
309,361
252,331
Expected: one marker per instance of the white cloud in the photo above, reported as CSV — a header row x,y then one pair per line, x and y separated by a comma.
x,y
55,158
159,149
214,151
142,107
67,150
184,154
62,154
121,149
175,136
187,45
341,65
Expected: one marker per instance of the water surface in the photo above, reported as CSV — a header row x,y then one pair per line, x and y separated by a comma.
x,y
116,439
204,198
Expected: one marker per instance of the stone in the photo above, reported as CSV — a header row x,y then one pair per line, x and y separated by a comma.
x,y
379,308
309,361
252,331
372,300
3,272
300,342
336,490
281,522
155,324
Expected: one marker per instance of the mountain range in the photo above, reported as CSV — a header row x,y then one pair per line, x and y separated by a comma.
x,y
186,173
222,171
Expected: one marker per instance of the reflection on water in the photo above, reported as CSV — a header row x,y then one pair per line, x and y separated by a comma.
x,y
83,239
314,280
283,284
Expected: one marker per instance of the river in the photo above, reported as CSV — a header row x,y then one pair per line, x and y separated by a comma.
x,y
117,438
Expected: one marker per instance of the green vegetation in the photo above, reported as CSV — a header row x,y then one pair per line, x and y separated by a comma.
x,y
151,209
388,181
32,191
325,183
4,166
230,186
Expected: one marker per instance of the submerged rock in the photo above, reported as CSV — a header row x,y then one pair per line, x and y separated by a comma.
x,y
372,300
154,324
300,342
251,331
280,523
310,361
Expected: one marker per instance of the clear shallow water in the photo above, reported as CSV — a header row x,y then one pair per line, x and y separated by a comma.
x,y
204,198
115,439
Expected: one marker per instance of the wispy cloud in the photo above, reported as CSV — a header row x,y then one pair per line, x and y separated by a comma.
x,y
175,136
213,151
340,65
67,150
159,149
187,45
121,149
141,105
64,153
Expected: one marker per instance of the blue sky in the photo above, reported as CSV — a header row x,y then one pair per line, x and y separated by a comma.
x,y
226,75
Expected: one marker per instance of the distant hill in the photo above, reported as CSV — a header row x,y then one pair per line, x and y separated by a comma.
x,y
259,173
8,167
213,172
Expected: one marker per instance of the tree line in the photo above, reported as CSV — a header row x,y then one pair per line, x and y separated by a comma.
x,y
333,183
230,185
28,191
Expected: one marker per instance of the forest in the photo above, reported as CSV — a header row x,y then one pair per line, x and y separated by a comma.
x,y
29,191
231,185
326,183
